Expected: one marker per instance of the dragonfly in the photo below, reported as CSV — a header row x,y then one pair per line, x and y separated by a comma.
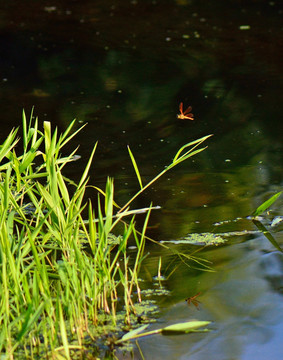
x,y
193,300
185,114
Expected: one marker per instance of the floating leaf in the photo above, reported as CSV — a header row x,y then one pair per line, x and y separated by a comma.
x,y
185,327
134,333
180,328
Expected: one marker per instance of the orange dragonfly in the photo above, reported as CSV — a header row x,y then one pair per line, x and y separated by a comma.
x,y
185,114
193,300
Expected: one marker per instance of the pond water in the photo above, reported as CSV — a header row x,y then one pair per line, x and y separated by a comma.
x,y
123,67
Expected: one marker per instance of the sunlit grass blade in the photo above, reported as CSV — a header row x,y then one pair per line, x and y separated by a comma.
x,y
30,131
177,160
64,139
30,155
8,145
63,330
47,135
25,141
63,188
195,142
185,156
266,204
86,171
135,167
104,194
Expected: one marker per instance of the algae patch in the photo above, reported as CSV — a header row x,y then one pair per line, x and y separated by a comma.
x,y
203,239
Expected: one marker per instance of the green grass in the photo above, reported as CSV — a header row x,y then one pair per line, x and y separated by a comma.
x,y
60,273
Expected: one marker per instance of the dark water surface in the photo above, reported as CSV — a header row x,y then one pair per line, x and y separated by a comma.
x,y
123,67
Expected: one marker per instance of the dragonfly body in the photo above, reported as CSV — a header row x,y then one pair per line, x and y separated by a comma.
x,y
193,300
185,115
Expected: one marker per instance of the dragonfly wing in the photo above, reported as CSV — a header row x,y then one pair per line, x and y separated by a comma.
x,y
188,110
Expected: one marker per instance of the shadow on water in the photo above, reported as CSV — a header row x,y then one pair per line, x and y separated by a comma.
x,y
124,67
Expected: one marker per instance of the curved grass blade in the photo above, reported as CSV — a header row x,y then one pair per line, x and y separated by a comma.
x,y
135,167
266,204
195,142
104,194
85,173
8,144
177,160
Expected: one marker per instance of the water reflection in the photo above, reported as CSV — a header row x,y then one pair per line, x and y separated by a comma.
x,y
243,298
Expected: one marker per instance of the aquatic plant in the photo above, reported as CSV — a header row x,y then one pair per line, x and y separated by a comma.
x,y
179,328
63,276
265,205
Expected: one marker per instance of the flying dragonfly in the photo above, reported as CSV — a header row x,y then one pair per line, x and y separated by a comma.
x,y
193,300
185,114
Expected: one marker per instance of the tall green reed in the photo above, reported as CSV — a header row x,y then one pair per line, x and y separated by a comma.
x,y
59,271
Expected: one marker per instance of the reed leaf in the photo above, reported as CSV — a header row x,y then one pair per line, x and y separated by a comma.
x,y
60,271
135,167
7,146
266,204
176,160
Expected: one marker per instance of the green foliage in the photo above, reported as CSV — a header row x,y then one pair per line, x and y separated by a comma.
x,y
188,150
179,328
266,204
58,270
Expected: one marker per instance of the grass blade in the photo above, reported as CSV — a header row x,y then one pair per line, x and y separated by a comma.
x,y
135,167
267,234
266,204
85,173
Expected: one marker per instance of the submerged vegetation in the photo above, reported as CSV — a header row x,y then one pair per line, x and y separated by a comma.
x,y
65,277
